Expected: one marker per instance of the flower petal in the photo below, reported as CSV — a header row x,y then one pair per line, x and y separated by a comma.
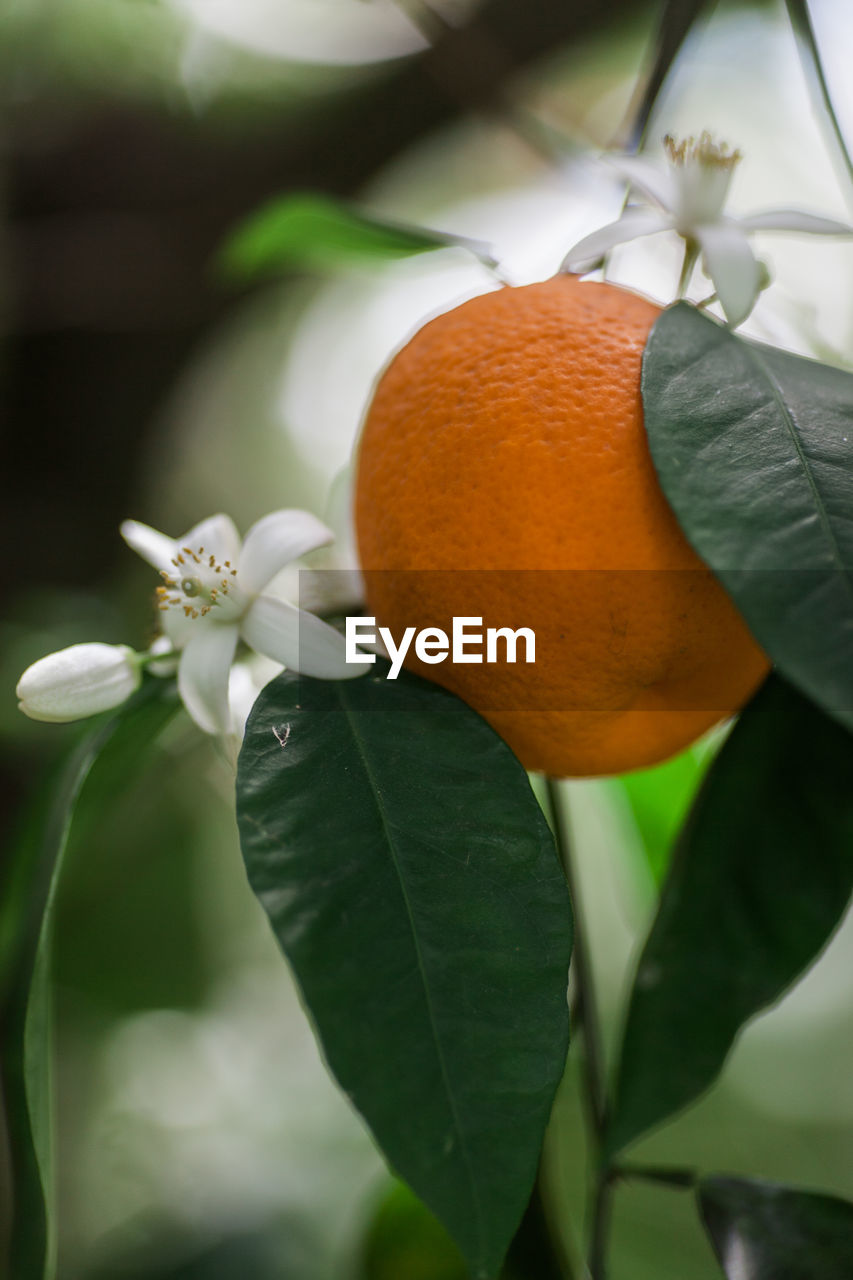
x,y
732,266
153,546
297,639
203,676
655,182
217,536
794,220
177,627
276,540
245,682
168,664
632,224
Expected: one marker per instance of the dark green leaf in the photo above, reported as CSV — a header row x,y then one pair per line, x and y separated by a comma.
x,y
754,450
801,20
762,1231
413,883
314,231
761,876
35,864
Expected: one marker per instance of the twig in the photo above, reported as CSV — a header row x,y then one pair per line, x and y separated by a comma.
x,y
679,1179
595,1080
585,995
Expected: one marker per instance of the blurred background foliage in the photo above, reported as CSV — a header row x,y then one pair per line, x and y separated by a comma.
x,y
199,1135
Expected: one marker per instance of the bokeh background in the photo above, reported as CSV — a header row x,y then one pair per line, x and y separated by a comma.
x,y
199,1134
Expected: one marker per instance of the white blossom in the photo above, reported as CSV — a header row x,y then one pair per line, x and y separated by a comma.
x,y
689,196
213,595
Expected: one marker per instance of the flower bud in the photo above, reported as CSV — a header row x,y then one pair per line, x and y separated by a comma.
x,y
79,681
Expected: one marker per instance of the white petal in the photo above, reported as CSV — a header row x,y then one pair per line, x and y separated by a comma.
x,y
794,220
166,666
330,590
245,682
276,540
731,264
632,224
203,675
655,182
177,627
217,535
297,639
153,546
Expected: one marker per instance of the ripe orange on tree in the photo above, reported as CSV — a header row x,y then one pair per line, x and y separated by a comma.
x,y
503,472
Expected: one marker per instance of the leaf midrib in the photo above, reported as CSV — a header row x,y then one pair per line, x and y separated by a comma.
x,y
387,829
793,430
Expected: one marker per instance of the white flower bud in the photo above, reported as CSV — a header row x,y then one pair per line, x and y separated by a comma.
x,y
79,681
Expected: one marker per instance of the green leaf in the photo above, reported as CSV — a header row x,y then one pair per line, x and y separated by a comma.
x,y
413,883
35,865
754,450
763,1231
761,876
314,231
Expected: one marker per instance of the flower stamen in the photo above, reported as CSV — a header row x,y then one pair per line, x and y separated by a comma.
x,y
196,587
705,151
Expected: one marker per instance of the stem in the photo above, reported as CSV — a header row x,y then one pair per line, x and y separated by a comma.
x,y
587,1014
691,253
806,37
674,24
679,1179
145,659
595,1079
602,1207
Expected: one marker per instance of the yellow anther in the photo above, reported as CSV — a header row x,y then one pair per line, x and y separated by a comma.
x,y
705,150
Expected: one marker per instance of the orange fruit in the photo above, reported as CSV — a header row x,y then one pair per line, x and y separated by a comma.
x,y
503,472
